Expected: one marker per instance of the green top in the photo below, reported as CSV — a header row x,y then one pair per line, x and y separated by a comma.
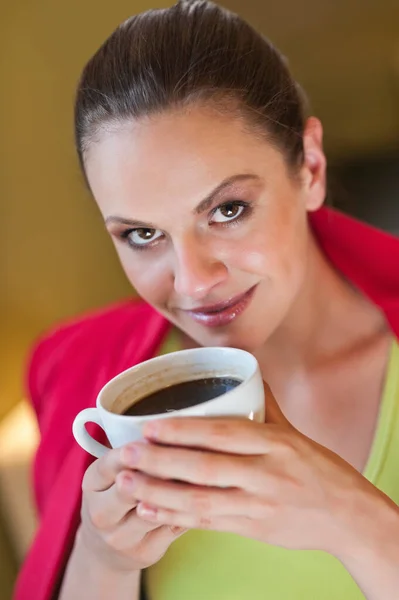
x,y
206,565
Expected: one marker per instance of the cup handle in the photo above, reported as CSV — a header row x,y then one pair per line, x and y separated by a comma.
x,y
81,435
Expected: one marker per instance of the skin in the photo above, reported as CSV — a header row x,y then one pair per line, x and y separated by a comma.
x,y
321,346
195,263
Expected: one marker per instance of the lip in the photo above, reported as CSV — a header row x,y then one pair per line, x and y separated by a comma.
x,y
222,313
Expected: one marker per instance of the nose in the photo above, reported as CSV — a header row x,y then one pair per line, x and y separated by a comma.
x,y
197,272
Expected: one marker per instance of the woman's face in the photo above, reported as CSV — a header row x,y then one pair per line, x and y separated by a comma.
x,y
209,226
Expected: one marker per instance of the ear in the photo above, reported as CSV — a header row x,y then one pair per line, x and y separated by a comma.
x,y
314,167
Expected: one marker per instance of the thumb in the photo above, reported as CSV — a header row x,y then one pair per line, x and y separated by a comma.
x,y
274,413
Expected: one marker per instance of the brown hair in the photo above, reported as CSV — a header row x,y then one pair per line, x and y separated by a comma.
x,y
194,51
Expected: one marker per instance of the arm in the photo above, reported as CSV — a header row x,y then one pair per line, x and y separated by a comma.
x,y
113,543
85,571
59,386
372,554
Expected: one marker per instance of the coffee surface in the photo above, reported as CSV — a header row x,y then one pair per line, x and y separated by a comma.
x,y
182,395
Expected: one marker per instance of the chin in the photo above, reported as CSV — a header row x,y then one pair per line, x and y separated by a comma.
x,y
235,335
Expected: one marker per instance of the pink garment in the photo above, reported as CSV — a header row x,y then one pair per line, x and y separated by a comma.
x,y
70,365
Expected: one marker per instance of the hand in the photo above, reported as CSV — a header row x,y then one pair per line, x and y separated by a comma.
x,y
264,481
111,527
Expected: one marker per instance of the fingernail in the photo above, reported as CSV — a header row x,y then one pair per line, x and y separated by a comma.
x,y
131,456
176,530
151,430
129,481
147,512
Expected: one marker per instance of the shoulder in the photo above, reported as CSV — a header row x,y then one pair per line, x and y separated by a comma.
x,y
83,342
365,255
101,320
89,328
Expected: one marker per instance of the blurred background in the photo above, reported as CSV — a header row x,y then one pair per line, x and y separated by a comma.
x,y
55,258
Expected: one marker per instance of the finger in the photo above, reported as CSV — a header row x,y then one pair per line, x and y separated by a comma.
x,y
191,465
101,474
231,524
197,500
273,411
109,507
227,435
129,533
133,528
158,540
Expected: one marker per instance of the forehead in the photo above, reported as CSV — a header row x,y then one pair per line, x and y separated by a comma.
x,y
174,156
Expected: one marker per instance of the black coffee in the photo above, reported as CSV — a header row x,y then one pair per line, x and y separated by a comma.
x,y
182,395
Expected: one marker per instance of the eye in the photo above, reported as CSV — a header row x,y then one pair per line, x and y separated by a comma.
x,y
141,236
230,211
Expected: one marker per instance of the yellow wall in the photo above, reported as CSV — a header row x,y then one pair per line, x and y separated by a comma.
x,y
55,258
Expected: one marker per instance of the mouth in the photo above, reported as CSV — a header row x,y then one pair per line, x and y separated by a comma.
x,y
222,313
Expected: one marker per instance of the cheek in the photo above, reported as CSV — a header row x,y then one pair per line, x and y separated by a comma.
x,y
150,278
275,249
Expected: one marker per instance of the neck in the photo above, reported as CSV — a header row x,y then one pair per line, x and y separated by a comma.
x,y
328,320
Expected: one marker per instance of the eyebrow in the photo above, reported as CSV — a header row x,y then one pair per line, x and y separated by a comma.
x,y
204,205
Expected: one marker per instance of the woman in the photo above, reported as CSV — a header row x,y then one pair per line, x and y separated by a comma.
x,y
193,139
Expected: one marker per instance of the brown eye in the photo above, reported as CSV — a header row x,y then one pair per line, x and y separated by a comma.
x,y
227,212
142,236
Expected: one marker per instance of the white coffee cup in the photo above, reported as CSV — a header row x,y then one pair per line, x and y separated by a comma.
x,y
246,400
